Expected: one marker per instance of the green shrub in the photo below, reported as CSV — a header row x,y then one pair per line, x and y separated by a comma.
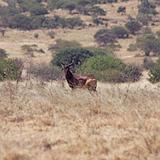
x,y
71,54
32,6
9,69
154,73
39,11
96,11
73,22
8,11
20,21
120,32
147,7
148,63
144,18
107,68
148,43
97,21
104,37
121,9
133,25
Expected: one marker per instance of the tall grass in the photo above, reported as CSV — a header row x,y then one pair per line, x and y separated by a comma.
x,y
119,122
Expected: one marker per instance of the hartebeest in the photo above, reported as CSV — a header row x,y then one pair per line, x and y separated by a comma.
x,y
75,81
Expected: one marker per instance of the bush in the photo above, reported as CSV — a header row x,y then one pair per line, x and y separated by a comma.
x,y
39,11
8,11
71,54
62,22
107,68
154,73
144,18
121,9
148,43
104,37
96,11
97,21
133,25
9,69
120,32
147,7
32,6
3,53
148,63
73,22
20,21
70,6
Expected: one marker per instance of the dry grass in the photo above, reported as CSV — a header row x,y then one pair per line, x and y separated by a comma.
x,y
120,122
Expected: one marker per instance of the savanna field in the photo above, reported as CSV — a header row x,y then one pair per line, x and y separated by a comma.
x,y
42,118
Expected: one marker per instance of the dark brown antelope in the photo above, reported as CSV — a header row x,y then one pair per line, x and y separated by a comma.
x,y
75,81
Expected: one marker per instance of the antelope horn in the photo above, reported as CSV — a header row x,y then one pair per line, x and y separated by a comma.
x,y
70,64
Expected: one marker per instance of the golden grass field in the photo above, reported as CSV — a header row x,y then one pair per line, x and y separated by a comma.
x,y
120,122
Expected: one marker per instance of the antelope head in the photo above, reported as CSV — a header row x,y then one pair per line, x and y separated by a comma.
x,y
66,67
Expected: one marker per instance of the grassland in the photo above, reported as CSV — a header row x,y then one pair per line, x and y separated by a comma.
x,y
120,122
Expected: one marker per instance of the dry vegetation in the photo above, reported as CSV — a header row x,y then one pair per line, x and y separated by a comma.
x,y
120,122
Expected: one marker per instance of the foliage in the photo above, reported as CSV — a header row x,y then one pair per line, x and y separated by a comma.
x,y
9,69
121,9
8,11
133,25
147,7
32,6
20,21
107,68
39,10
144,19
87,7
73,22
120,32
71,54
39,21
104,37
148,43
146,10
154,73
97,21
96,11
148,63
